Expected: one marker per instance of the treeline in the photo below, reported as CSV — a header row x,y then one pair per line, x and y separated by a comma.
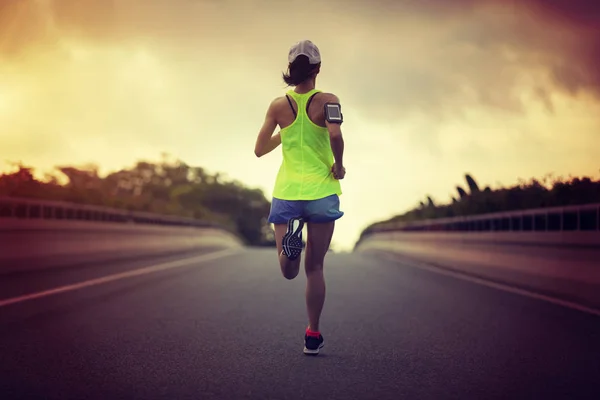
x,y
167,187
471,200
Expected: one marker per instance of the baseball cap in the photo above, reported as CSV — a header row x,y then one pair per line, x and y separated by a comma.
x,y
307,48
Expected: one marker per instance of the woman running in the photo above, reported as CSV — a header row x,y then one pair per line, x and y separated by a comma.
x,y
307,185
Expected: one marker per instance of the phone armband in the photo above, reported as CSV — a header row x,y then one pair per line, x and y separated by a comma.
x,y
333,113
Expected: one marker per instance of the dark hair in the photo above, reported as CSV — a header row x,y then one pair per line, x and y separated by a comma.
x,y
299,71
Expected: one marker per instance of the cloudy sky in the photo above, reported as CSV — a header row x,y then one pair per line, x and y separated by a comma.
x,y
430,89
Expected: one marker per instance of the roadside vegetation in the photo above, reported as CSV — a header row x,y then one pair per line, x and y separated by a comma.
x,y
167,187
471,200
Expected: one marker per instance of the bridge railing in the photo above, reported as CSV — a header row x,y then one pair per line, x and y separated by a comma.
x,y
570,218
553,251
20,208
40,234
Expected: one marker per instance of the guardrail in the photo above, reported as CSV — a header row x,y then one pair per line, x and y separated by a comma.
x,y
552,219
20,208
553,251
40,234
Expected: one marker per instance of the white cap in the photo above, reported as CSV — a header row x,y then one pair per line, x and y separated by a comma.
x,y
307,48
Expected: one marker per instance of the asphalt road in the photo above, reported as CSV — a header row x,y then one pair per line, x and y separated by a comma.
x,y
232,328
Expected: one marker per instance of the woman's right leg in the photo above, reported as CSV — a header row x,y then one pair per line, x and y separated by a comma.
x,y
318,241
321,215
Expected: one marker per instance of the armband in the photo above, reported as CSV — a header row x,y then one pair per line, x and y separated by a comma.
x,y
333,113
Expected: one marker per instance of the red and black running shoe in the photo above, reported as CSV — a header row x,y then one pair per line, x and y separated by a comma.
x,y
313,342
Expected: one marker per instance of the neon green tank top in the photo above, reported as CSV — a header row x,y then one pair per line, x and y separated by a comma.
x,y
305,173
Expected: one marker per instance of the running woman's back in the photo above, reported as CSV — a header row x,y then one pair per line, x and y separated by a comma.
x,y
305,172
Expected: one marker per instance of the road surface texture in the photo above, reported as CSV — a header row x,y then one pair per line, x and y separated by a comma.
x,y
232,328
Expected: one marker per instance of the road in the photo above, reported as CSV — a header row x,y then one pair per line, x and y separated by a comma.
x,y
232,328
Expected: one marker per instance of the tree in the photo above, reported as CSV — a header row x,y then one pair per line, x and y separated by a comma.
x,y
473,188
523,195
461,192
430,202
20,182
168,187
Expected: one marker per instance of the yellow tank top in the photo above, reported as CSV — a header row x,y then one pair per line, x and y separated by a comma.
x,y
305,173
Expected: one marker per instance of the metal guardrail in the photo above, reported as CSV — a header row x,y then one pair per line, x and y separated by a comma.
x,y
570,218
12,207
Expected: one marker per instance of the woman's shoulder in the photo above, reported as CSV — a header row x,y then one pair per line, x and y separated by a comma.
x,y
277,102
329,97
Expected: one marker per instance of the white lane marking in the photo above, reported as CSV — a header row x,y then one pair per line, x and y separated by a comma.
x,y
499,286
123,275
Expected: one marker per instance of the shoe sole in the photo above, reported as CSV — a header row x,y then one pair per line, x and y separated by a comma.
x,y
310,352
292,240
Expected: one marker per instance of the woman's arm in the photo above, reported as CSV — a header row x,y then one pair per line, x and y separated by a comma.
x,y
266,141
271,145
337,141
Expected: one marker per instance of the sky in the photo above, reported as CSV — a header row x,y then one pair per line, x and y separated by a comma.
x,y
431,89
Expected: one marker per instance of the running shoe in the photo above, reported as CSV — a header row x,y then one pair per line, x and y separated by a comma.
x,y
312,344
292,240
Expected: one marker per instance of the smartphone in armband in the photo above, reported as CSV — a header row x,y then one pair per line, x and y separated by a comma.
x,y
333,113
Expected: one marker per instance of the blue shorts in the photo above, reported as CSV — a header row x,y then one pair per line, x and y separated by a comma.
x,y
322,210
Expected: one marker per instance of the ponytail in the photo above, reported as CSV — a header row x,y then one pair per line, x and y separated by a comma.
x,y
299,71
